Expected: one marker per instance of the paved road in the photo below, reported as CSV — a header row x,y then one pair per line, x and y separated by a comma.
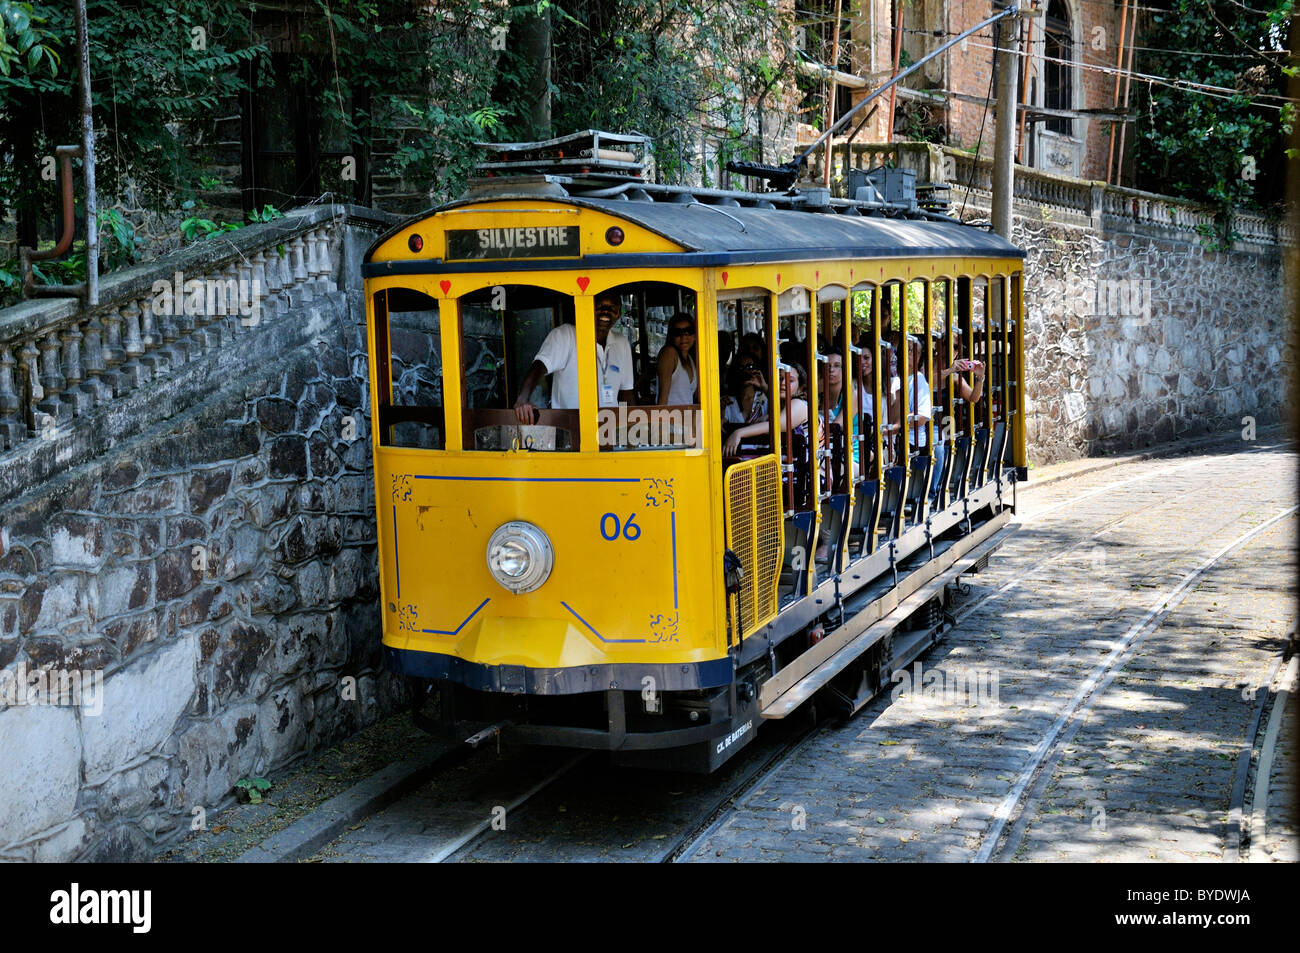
x,y
1146,768
1091,705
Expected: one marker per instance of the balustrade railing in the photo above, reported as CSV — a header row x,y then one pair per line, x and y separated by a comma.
x,y
965,172
59,362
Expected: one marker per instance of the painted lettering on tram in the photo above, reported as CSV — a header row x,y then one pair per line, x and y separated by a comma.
x,y
541,241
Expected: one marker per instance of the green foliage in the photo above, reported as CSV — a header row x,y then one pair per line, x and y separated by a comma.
x,y
269,213
1226,150
667,68
117,247
251,790
25,43
195,228
157,84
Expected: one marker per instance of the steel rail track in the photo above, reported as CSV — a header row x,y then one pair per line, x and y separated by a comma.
x,y
1038,771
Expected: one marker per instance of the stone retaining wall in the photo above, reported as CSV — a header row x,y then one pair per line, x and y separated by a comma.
x,y
219,570
1133,340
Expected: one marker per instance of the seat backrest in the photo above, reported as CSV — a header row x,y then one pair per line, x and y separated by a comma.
x,y
957,469
997,447
891,501
978,456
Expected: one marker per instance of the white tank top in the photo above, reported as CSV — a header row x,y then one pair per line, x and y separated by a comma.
x,y
681,389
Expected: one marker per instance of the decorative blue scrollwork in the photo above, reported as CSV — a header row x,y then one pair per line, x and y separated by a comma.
x,y
663,627
660,492
401,488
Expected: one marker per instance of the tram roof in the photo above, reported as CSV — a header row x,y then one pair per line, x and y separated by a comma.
x,y
714,234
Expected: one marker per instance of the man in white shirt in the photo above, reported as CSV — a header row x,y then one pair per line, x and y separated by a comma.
x,y
558,356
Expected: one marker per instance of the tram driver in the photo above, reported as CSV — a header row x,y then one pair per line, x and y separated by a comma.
x,y
558,356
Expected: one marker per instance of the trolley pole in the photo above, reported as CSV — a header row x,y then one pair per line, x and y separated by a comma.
x,y
1004,148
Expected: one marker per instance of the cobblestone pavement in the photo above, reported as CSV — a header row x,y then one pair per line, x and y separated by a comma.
x,y
1149,773
1144,771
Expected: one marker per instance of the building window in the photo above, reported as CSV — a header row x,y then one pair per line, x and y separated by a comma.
x,y
1058,67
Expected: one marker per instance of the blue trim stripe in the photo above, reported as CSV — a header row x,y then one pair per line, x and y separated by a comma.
x,y
711,259
593,631
674,523
688,676
397,563
456,631
498,479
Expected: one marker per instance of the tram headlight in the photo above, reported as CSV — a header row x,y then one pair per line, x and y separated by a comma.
x,y
519,556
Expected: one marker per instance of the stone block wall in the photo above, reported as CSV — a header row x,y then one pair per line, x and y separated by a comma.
x,y
1133,339
219,570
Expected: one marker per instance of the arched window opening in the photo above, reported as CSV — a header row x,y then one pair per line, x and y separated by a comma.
x,y
1058,67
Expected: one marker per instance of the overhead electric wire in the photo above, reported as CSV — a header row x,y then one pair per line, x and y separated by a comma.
x,y
1184,84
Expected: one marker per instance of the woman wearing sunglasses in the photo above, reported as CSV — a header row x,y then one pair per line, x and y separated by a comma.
x,y
679,365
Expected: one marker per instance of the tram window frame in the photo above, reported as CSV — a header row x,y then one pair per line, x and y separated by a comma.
x,y
750,311
399,422
493,427
634,428
796,312
867,318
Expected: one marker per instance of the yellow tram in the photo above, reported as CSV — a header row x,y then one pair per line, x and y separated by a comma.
x,y
568,548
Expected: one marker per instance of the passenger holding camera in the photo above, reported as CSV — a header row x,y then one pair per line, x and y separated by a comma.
x,y
961,390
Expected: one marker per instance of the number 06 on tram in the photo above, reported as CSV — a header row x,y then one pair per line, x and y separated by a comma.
x,y
654,464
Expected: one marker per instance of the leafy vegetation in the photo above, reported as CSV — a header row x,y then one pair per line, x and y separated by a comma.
x,y
1226,149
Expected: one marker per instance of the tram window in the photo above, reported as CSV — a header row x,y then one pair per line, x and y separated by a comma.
x,y
659,321
745,388
410,379
503,330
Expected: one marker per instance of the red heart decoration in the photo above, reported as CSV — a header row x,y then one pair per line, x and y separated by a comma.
x,y
724,278
850,272
583,282
817,275
445,286
778,279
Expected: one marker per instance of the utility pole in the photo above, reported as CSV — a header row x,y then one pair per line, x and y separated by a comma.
x,y
1004,147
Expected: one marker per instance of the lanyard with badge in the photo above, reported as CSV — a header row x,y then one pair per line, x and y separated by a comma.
x,y
607,396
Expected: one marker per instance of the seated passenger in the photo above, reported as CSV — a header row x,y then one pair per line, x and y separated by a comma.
x,y
961,390
558,355
679,364
918,397
724,354
867,400
752,346
837,414
794,410
746,399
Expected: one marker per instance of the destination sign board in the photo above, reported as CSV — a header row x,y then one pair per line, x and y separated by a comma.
x,y
529,241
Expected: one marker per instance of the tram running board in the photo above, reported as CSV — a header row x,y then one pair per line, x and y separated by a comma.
x,y
798,681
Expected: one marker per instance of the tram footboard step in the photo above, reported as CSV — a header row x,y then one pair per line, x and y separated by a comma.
x,y
779,698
